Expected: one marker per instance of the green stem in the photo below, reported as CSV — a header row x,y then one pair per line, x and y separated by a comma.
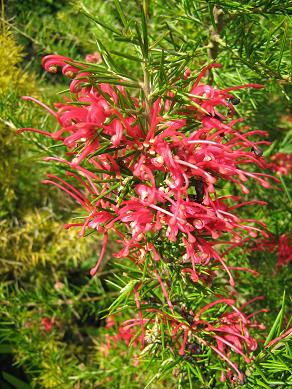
x,y
146,89
146,81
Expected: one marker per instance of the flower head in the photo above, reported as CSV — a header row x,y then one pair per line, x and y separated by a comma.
x,y
150,175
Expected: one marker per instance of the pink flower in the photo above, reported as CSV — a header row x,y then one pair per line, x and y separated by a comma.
x,y
94,57
276,340
52,62
159,183
190,163
282,246
110,321
47,324
284,251
226,335
183,202
281,163
135,360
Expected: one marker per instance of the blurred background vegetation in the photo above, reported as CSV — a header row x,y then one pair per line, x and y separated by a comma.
x,y
52,330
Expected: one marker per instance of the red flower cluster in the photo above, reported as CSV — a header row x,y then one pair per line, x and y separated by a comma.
x,y
192,331
94,57
284,251
159,179
124,334
282,246
47,324
281,163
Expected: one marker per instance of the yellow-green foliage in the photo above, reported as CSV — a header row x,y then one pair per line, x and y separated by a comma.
x,y
6,171
39,239
29,236
13,83
10,57
11,75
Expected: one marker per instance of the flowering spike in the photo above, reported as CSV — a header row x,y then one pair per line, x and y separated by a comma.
x,y
154,186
